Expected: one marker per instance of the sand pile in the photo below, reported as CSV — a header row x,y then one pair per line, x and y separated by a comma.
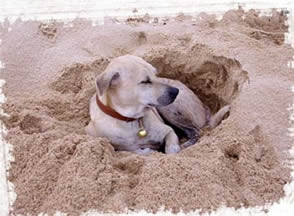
x,y
50,74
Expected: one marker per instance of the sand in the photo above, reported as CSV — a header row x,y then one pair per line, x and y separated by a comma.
x,y
49,73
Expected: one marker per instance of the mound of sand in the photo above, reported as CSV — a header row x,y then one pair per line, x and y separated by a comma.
x,y
50,73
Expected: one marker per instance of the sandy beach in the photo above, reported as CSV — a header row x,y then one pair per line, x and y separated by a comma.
x,y
240,60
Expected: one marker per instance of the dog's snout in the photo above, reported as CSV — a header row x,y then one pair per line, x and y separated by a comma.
x,y
173,92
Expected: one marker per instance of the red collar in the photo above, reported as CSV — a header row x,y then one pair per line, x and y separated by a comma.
x,y
109,111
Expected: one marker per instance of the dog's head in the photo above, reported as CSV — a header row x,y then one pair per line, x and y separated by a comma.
x,y
131,82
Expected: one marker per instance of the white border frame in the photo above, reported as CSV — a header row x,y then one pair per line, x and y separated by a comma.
x,y
96,10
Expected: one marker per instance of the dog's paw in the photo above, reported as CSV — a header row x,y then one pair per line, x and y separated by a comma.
x,y
144,151
173,149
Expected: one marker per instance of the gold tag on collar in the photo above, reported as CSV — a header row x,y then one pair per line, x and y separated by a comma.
x,y
142,133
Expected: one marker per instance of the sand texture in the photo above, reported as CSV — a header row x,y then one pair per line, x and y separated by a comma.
x,y
49,73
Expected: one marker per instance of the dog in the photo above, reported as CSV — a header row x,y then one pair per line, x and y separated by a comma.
x,y
129,97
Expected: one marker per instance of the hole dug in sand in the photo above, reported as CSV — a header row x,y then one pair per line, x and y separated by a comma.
x,y
59,168
216,80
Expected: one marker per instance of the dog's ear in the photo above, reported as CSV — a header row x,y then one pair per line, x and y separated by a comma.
x,y
107,80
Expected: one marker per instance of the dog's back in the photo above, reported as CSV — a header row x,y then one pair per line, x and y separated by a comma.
x,y
189,114
187,110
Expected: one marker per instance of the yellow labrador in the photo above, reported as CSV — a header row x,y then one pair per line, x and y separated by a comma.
x,y
124,108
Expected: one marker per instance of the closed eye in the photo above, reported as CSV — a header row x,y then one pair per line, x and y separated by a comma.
x,y
146,81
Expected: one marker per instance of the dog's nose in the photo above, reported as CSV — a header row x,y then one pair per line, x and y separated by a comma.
x,y
173,92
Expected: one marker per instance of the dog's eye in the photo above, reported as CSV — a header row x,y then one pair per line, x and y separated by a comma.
x,y
147,81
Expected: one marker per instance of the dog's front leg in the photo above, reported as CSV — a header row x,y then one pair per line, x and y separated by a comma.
x,y
172,143
90,129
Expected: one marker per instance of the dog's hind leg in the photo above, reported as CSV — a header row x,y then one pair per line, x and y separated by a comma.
x,y
190,142
192,134
218,117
